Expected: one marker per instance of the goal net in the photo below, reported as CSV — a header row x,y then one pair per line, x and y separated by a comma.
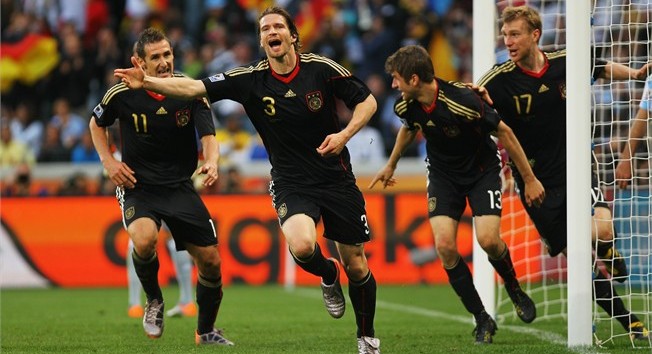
x,y
621,32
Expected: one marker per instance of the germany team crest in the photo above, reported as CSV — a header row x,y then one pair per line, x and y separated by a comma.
x,y
129,213
183,117
432,204
314,101
282,210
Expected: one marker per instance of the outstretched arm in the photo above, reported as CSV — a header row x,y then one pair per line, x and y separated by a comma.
x,y
175,87
534,191
404,138
617,71
636,133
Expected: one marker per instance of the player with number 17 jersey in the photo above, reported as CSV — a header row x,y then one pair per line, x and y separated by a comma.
x,y
533,104
293,113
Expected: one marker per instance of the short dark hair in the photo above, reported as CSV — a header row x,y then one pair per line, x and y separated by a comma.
x,y
411,60
528,14
288,20
147,36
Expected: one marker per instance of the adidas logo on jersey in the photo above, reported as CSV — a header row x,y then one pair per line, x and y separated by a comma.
x,y
430,124
161,111
543,88
290,93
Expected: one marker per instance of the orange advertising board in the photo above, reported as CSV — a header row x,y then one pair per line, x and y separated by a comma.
x,y
80,241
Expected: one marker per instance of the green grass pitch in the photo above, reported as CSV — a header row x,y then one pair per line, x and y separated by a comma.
x,y
266,319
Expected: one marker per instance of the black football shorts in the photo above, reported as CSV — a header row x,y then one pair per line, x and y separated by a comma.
x,y
449,198
179,206
550,219
341,208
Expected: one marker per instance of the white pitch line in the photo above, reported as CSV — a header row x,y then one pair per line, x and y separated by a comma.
x,y
546,336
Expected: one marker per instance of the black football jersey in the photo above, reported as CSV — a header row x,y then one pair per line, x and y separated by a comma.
x,y
534,106
457,129
294,113
159,135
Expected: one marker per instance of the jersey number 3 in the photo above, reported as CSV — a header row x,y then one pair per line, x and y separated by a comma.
x,y
269,102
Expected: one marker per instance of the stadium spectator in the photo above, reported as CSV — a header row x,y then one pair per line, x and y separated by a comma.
x,y
289,98
538,119
154,182
27,127
12,151
232,184
52,149
462,164
71,125
377,44
84,151
70,80
366,147
19,184
76,185
106,57
234,140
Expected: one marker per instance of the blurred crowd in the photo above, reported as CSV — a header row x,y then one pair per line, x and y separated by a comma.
x,y
57,61
45,119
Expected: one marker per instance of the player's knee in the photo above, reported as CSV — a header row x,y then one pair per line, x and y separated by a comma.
x,y
447,252
145,247
207,259
445,246
210,267
302,249
356,270
490,244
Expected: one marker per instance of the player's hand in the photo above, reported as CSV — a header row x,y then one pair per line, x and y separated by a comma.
x,y
120,174
132,77
385,175
623,173
643,72
210,170
534,193
481,91
332,145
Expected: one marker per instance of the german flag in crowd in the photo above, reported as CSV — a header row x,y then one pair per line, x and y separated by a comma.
x,y
27,60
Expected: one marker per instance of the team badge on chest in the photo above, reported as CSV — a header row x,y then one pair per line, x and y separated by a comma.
x,y
314,101
451,131
183,117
